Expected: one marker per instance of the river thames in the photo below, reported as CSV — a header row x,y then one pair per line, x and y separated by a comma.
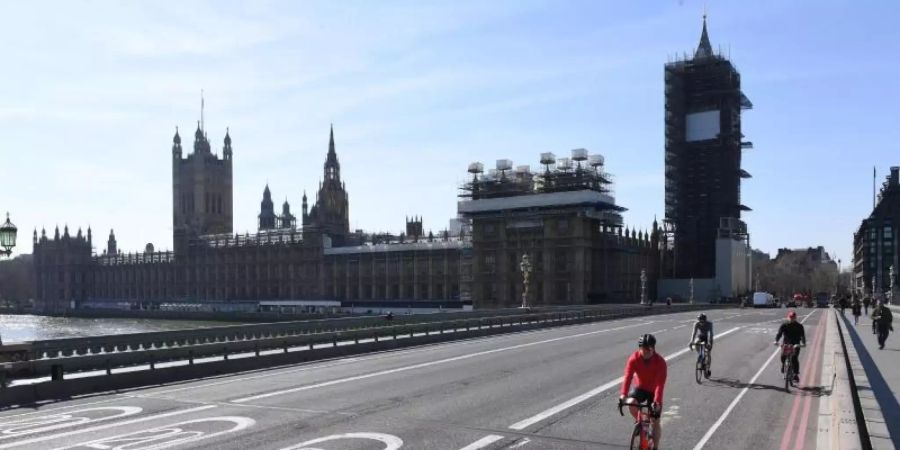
x,y
32,328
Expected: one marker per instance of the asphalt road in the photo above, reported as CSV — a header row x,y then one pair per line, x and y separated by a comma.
x,y
547,389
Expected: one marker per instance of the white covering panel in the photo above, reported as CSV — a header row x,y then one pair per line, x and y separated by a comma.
x,y
700,126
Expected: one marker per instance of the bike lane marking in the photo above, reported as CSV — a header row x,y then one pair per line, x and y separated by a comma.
x,y
788,436
428,364
105,426
165,436
541,416
54,421
740,395
391,442
816,373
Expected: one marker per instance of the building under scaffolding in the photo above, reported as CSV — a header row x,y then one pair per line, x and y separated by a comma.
x,y
565,219
702,159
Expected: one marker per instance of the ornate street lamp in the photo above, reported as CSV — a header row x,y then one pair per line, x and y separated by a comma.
x,y
7,237
525,266
643,287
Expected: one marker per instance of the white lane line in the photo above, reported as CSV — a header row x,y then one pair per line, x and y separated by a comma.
x,y
106,426
521,425
428,364
376,356
740,395
521,444
52,410
483,442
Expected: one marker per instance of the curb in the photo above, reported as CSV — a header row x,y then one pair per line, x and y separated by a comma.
x,y
872,423
839,427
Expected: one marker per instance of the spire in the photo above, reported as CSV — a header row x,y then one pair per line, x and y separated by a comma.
x,y
331,141
202,123
177,139
227,137
332,166
266,193
704,50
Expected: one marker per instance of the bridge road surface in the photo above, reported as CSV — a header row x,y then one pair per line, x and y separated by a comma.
x,y
547,389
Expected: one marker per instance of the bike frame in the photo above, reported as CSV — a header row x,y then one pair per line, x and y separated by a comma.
x,y
643,425
787,351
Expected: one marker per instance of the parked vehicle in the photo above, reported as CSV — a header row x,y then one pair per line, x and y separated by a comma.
x,y
763,300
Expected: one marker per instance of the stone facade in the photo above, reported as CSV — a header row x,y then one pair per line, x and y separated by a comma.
x,y
582,252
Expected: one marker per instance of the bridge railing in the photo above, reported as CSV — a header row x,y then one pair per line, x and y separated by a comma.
x,y
151,350
93,345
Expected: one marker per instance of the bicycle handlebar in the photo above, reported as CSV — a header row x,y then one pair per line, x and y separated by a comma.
x,y
647,406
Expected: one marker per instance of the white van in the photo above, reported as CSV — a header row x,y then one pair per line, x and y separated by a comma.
x,y
763,300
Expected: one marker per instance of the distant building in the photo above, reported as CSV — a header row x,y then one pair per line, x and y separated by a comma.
x,y
708,241
570,224
875,244
565,219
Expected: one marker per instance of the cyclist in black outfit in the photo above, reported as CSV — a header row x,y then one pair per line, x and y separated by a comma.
x,y
794,334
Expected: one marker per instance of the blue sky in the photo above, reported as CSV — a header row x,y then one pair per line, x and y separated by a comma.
x,y
91,93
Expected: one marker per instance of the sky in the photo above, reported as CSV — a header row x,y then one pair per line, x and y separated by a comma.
x,y
91,93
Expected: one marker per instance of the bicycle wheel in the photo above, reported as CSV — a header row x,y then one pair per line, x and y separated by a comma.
x,y
699,371
706,363
788,375
636,438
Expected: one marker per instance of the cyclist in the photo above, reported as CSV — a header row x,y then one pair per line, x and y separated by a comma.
x,y
702,333
649,369
794,334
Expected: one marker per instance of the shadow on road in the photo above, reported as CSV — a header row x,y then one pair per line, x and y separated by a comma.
x,y
886,400
816,391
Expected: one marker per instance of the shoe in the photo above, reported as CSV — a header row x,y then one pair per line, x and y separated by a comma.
x,y
782,368
708,373
796,378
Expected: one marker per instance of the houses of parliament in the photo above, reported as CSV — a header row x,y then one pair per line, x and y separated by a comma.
x,y
563,217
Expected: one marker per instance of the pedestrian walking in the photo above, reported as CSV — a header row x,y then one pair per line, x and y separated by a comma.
x,y
882,320
866,302
857,311
843,304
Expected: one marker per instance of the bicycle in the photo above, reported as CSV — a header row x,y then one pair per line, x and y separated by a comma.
x,y
642,435
787,352
702,367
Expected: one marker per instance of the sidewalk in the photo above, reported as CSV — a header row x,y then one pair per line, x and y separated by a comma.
x,y
882,369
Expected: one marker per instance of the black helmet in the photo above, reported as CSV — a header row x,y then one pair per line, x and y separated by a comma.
x,y
702,317
647,340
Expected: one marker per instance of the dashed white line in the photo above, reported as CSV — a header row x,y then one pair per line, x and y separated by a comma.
x,y
426,364
483,442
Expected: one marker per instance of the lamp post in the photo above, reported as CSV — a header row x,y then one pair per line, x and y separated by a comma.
x,y
525,266
643,287
891,298
691,286
7,237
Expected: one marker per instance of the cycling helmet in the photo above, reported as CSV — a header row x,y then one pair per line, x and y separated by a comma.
x,y
647,340
702,317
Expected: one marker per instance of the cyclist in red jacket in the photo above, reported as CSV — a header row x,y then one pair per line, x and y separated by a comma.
x,y
649,370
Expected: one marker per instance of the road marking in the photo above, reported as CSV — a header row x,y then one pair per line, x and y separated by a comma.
x,y
483,442
333,362
740,395
812,378
55,421
51,410
788,434
106,426
165,436
521,425
392,442
522,443
427,364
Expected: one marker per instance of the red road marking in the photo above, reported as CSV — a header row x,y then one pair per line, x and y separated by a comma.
x,y
816,372
788,435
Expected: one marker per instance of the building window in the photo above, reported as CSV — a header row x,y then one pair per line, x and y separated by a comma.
x,y
888,232
489,263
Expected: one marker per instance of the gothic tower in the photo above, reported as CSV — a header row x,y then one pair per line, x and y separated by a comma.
x,y
201,190
267,211
703,105
331,212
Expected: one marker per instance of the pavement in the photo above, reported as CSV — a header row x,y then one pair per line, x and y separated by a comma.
x,y
883,376
546,389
